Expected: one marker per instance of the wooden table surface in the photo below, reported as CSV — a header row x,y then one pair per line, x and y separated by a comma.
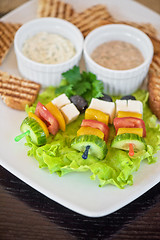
x,y
27,214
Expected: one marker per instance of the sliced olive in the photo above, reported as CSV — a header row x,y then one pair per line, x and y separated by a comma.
x,y
128,97
106,98
79,102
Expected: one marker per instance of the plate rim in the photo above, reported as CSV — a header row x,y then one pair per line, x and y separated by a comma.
x,y
66,204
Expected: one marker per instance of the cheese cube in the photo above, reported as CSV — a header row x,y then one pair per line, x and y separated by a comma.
x,y
61,100
121,105
70,112
135,106
129,106
103,106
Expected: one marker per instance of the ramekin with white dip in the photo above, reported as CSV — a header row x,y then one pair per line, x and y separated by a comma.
x,y
47,47
126,76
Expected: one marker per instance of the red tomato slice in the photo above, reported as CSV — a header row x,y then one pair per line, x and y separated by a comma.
x,y
129,122
51,122
96,124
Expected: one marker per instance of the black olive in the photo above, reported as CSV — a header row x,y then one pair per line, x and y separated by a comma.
x,y
128,97
79,102
106,98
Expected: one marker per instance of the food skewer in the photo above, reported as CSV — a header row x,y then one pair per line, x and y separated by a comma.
x,y
129,126
94,131
48,119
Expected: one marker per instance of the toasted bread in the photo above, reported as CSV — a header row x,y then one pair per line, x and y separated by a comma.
x,y
16,92
7,32
147,28
54,8
156,44
90,18
154,85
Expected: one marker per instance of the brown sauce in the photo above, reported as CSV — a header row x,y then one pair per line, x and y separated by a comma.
x,y
117,55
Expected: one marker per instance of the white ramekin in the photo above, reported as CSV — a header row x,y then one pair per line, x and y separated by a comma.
x,y
47,74
117,82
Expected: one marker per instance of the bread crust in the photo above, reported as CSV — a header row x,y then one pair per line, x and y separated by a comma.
x,y
17,92
91,18
54,8
7,32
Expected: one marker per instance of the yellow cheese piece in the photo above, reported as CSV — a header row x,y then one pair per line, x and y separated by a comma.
x,y
94,114
122,114
41,123
90,131
138,131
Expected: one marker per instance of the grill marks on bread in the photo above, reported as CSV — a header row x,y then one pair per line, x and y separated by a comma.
x,y
154,85
86,21
90,19
17,92
54,8
7,32
154,79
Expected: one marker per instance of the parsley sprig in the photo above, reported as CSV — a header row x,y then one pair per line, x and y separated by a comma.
x,y
84,84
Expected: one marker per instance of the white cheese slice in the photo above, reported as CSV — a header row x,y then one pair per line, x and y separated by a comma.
x,y
121,105
104,106
70,112
135,106
61,100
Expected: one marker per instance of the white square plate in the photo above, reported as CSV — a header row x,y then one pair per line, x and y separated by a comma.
x,y
75,191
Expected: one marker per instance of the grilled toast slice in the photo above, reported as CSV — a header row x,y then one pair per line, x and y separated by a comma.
x,y
7,32
154,85
54,8
90,18
16,92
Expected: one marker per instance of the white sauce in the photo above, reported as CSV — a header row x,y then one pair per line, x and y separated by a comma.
x,y
48,48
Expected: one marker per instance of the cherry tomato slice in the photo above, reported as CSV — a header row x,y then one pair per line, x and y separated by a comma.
x,y
51,122
129,122
96,124
53,109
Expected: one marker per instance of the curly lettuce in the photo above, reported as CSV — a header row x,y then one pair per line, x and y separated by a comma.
x,y
117,168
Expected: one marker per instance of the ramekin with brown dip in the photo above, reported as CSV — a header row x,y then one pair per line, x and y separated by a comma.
x,y
120,56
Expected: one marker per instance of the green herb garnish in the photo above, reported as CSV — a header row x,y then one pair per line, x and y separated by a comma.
x,y
84,84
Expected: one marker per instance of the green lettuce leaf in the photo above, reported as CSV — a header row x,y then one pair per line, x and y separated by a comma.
x,y
117,168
